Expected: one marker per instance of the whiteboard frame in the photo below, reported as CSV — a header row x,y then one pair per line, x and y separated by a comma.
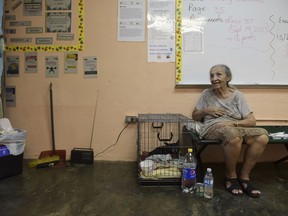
x,y
179,61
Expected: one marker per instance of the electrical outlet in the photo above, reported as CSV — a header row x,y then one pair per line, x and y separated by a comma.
x,y
130,119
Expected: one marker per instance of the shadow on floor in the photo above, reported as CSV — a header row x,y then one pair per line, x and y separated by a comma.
x,y
111,188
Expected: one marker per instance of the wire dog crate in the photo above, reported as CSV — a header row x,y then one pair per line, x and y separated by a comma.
x,y
162,144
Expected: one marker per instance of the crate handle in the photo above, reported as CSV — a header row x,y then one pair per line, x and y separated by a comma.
x,y
157,126
162,139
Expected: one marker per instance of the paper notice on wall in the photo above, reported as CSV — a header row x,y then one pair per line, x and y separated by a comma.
x,y
58,22
12,65
51,66
58,4
161,30
32,8
192,41
71,62
90,67
10,96
31,62
131,20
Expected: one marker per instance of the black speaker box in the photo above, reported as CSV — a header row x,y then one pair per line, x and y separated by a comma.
x,y
82,156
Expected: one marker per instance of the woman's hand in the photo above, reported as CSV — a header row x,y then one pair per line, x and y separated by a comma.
x,y
215,112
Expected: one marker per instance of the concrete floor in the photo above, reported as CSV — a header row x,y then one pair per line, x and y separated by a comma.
x,y
111,188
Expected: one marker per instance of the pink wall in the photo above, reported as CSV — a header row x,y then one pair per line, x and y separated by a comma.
x,y
127,85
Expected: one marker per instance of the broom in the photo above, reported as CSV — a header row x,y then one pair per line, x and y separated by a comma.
x,y
45,162
51,157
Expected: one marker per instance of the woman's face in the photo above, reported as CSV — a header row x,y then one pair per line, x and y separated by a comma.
x,y
218,77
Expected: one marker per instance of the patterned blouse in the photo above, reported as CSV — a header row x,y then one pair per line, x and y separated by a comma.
x,y
235,107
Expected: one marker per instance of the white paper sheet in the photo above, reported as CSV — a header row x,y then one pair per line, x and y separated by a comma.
x,y
131,20
161,31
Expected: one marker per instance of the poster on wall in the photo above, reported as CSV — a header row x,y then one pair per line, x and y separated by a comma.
x,y
31,62
161,30
131,20
12,66
58,22
90,67
51,30
10,96
32,7
71,62
51,66
58,4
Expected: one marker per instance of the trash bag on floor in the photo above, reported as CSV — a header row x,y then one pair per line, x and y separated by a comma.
x,y
13,139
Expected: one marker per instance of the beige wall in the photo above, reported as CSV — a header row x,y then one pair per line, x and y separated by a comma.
x,y
127,85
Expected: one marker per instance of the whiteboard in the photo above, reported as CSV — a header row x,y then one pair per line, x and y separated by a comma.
x,y
249,36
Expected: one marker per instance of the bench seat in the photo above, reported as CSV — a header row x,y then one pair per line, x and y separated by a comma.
x,y
201,144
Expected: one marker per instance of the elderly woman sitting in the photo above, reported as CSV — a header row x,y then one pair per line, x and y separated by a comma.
x,y
227,117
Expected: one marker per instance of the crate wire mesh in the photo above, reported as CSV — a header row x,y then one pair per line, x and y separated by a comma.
x,y
161,142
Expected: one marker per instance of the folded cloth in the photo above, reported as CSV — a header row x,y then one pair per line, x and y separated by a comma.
x,y
159,157
166,172
279,135
194,126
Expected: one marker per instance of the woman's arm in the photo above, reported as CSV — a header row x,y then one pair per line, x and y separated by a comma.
x,y
248,121
198,115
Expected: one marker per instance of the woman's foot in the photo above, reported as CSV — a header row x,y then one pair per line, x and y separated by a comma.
x,y
249,189
233,187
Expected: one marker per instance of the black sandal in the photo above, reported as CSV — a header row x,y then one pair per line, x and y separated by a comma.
x,y
248,188
234,186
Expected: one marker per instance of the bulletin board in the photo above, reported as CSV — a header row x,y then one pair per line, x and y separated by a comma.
x,y
249,36
44,25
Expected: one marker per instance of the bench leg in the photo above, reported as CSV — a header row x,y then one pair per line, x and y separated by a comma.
x,y
284,158
200,168
281,160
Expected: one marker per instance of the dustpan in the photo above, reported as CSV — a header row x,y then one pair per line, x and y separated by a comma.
x,y
58,157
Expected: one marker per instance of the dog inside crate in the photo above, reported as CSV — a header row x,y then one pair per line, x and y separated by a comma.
x,y
161,144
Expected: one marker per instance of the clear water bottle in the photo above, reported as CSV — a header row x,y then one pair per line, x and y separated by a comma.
x,y
189,172
208,184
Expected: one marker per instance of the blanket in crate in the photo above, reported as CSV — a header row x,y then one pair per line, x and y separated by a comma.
x,y
164,166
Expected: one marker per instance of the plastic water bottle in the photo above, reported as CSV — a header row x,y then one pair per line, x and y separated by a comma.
x,y
189,172
208,184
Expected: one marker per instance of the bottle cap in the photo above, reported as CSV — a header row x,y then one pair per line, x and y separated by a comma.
x,y
190,150
209,170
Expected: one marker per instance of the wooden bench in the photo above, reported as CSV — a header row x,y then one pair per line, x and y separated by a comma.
x,y
201,144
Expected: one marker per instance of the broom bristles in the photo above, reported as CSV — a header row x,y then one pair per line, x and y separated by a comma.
x,y
45,160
